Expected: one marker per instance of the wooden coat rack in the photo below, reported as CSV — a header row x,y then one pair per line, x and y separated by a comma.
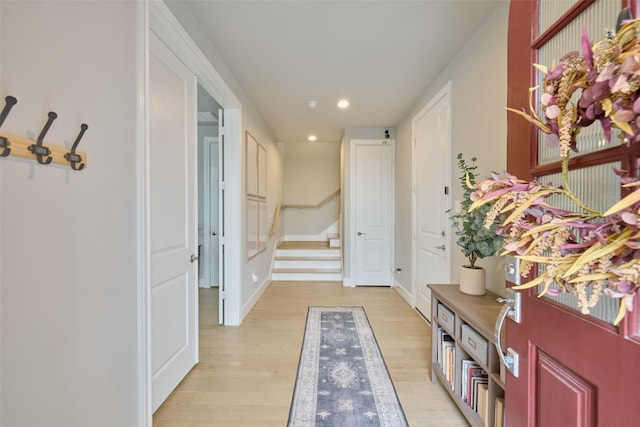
x,y
43,153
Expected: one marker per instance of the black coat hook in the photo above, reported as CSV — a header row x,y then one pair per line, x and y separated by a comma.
x,y
9,102
71,155
40,150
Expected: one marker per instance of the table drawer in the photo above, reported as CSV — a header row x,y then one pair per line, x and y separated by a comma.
x,y
475,343
445,317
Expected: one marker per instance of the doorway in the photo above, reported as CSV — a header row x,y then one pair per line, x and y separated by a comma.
x,y
210,197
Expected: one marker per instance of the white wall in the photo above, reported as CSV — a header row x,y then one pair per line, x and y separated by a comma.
x,y
479,80
311,173
68,274
260,265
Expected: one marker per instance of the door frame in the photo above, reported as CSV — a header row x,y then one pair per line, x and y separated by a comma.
x,y
445,91
353,200
156,17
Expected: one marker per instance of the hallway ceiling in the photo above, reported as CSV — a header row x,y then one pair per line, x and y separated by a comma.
x,y
380,55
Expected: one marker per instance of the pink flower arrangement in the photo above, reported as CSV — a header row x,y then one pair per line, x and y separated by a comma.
x,y
608,76
599,251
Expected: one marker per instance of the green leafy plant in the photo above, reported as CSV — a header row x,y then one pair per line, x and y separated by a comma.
x,y
475,239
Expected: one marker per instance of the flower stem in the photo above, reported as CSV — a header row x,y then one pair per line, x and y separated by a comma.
x,y
567,189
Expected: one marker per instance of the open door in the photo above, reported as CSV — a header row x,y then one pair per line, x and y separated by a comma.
x,y
221,224
211,212
172,220
573,369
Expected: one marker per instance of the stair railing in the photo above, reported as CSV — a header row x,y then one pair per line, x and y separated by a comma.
x,y
280,207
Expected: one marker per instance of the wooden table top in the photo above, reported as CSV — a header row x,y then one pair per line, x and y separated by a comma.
x,y
480,311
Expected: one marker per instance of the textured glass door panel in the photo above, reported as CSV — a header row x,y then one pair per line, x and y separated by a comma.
x,y
551,11
599,188
598,18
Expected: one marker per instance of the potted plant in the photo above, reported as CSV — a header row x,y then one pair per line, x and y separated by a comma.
x,y
476,240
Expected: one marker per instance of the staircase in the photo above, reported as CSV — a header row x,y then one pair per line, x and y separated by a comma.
x,y
308,261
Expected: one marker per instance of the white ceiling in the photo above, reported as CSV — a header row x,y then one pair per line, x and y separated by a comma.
x,y
381,55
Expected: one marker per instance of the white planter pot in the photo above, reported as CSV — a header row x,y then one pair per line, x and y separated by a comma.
x,y
472,280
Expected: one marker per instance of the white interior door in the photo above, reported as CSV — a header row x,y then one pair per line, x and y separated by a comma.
x,y
432,171
211,212
172,220
214,210
222,295
373,213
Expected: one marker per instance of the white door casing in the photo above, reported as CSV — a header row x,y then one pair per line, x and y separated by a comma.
x,y
172,219
373,212
432,145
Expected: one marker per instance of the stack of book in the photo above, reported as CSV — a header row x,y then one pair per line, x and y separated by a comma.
x,y
475,388
446,355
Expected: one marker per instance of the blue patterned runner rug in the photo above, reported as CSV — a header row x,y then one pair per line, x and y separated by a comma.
x,y
342,378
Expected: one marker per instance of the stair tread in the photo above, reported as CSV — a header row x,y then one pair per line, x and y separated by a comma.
x,y
306,270
306,258
301,245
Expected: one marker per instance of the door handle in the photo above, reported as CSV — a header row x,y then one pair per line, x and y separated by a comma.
x,y
361,234
193,258
214,233
441,247
510,309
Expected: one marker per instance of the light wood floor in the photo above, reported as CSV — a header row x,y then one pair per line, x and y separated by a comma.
x,y
246,374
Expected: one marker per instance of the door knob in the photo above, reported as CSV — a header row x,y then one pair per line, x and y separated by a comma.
x,y
214,234
361,234
441,247
193,258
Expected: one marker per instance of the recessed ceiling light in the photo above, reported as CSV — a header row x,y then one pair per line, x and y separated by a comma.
x,y
312,138
343,103
312,104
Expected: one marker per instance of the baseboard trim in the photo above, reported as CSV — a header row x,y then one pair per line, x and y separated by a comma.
x,y
253,300
406,295
348,283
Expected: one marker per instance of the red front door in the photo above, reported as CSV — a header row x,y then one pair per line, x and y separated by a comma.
x,y
574,369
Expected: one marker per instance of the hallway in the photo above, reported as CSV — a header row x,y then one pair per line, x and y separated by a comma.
x,y
246,374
